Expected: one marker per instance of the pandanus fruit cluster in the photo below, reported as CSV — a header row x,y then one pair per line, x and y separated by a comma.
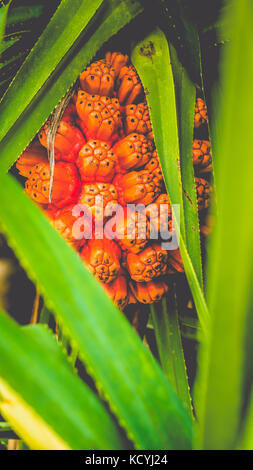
x,y
106,163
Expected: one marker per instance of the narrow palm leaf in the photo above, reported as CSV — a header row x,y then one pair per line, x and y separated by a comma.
x,y
68,22
231,251
115,16
48,405
130,378
152,60
168,338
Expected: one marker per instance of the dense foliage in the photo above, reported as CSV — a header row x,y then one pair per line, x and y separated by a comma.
x,y
113,380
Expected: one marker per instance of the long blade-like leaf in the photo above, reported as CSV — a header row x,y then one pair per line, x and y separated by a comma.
x,y
231,251
66,25
168,338
152,60
22,14
42,398
185,98
131,379
3,17
116,15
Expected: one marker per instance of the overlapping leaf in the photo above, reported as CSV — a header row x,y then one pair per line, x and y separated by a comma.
x,y
47,404
129,376
231,251
152,60
68,22
116,15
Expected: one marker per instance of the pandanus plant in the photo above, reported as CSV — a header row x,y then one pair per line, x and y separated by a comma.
x,y
127,156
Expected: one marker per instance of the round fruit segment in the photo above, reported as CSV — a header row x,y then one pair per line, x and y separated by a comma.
x,y
200,116
137,119
117,60
66,185
33,155
96,162
68,140
99,199
149,292
128,85
160,216
203,189
152,262
133,152
137,187
201,151
131,230
98,78
102,258
117,290
100,116
153,165
63,220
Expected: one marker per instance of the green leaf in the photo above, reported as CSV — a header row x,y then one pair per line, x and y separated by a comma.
x,y
46,404
152,59
9,43
68,22
12,59
168,338
246,435
129,376
222,360
185,97
114,17
22,14
3,16
4,427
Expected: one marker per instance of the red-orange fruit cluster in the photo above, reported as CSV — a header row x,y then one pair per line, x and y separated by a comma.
x,y
98,78
96,162
133,151
201,154
137,119
108,181
129,86
68,139
100,116
200,116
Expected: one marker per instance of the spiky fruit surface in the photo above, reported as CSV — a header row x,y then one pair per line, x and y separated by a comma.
x,y
102,258
98,198
151,263
203,189
137,119
33,155
66,187
100,116
200,116
106,157
201,152
96,162
149,292
137,187
98,78
128,85
117,60
133,152
68,140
